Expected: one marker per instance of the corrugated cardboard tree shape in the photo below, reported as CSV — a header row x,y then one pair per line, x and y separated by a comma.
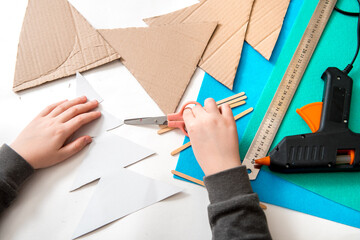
x,y
55,42
162,58
222,56
265,24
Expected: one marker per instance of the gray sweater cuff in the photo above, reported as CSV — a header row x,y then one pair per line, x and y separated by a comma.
x,y
13,168
227,184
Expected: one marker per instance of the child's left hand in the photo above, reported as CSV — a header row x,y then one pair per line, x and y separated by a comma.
x,y
41,143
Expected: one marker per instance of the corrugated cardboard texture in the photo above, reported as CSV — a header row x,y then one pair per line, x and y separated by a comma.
x,y
265,24
222,55
56,41
162,58
263,30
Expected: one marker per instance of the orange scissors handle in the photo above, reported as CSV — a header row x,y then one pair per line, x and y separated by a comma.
x,y
175,120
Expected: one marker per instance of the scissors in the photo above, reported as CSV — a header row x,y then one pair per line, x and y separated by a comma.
x,y
174,120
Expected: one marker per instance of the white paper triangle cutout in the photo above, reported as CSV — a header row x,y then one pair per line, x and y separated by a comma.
x,y
106,153
83,88
118,194
105,123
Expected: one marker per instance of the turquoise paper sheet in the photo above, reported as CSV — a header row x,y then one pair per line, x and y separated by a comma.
x,y
336,48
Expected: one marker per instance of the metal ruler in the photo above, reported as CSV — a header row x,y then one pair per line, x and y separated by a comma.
x,y
288,85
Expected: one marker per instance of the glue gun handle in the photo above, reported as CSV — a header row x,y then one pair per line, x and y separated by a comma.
x,y
336,99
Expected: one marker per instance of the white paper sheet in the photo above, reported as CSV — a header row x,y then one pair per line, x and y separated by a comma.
x,y
106,153
118,194
105,123
83,88
125,13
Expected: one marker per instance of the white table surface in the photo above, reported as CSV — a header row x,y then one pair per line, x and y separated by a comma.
x,y
45,209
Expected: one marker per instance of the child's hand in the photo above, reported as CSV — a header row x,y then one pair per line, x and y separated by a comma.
x,y
41,143
213,136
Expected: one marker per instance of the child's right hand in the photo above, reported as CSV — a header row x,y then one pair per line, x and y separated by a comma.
x,y
213,136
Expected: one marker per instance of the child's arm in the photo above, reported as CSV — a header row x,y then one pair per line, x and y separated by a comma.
x,y
41,144
234,210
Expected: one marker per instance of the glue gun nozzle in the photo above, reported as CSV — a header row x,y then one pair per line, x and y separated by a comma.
x,y
263,161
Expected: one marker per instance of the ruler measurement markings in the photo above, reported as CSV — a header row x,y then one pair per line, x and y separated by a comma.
x,y
288,85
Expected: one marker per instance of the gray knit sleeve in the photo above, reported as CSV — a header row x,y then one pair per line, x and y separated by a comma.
x,y
14,170
234,211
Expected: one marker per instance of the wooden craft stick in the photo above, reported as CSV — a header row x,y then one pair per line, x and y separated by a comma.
x,y
183,147
164,130
230,98
240,115
235,100
234,105
263,206
197,181
187,177
188,144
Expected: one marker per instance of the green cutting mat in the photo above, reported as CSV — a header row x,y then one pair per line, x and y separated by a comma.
x,y
336,48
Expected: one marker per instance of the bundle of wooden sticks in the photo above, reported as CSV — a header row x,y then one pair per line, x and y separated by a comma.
x,y
234,101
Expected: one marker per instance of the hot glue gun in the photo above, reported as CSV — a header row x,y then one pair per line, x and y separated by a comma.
x,y
332,147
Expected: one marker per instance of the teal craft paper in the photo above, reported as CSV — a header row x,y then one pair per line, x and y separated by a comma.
x,y
251,77
336,48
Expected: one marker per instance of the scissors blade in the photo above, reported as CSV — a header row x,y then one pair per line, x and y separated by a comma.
x,y
147,121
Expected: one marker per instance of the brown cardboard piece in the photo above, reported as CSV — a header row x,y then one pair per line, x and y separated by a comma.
x,y
265,24
263,30
56,41
222,55
162,58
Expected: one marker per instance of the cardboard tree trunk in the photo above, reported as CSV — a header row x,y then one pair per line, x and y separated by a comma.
x,y
162,58
56,41
223,54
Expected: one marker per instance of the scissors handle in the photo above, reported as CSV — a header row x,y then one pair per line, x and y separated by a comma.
x,y
175,120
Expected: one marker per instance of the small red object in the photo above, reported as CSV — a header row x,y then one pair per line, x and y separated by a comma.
x,y
175,120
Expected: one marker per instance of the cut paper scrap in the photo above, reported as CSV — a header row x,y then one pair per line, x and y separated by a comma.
x,y
162,58
222,55
119,194
105,122
271,189
55,42
335,49
83,88
106,153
